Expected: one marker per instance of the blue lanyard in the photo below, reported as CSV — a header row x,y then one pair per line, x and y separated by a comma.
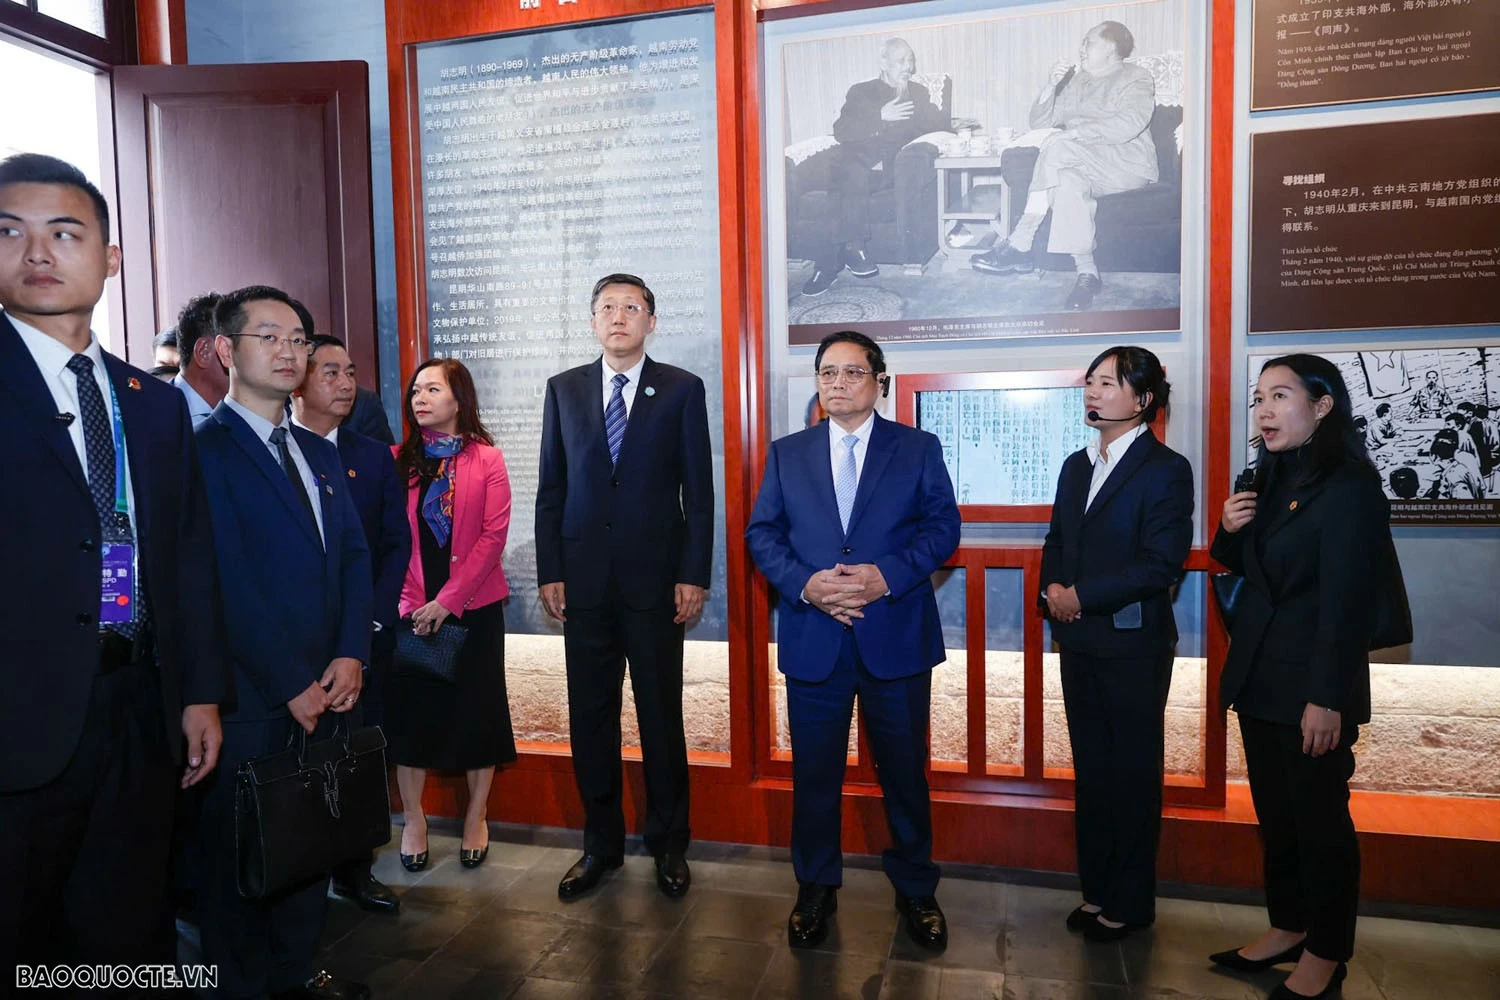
x,y
122,503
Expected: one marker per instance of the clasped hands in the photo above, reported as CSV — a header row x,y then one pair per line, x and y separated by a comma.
x,y
842,591
1062,603
336,691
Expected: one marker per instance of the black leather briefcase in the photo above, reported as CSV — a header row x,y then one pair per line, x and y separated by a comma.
x,y
317,804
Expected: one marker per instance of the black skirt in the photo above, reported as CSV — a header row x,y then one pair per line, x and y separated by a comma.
x,y
466,724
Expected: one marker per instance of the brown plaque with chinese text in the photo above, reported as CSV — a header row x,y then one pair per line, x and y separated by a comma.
x,y
1376,226
1306,52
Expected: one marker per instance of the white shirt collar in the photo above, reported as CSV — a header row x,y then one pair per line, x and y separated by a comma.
x,y
633,373
836,434
1118,448
332,435
258,424
50,354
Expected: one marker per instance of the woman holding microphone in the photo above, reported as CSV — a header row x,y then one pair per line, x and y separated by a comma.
x,y
1122,526
458,506
1311,538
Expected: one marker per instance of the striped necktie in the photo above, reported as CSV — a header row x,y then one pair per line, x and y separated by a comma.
x,y
614,418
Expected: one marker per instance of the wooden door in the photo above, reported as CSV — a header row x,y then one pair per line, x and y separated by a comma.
x,y
247,174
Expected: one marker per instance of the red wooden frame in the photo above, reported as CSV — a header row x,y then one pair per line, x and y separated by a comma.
x,y
1208,832
908,386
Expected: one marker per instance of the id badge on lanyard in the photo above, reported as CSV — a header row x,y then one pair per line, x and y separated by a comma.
x,y
117,586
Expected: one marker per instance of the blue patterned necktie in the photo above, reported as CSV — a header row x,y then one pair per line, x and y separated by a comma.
x,y
846,480
614,418
99,448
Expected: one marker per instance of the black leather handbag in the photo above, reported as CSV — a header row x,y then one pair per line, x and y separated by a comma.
x,y
302,811
1226,589
434,656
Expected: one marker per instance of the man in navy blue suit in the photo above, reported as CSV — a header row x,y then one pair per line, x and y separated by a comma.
x,y
102,677
624,538
321,404
853,517
298,608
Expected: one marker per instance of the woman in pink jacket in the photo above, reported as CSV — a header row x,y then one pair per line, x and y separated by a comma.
x,y
458,506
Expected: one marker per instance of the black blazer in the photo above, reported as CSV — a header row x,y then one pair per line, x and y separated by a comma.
x,y
1125,553
378,496
50,565
1308,607
650,519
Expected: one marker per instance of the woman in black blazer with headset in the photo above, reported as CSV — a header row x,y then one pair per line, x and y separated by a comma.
x,y
1312,539
1122,526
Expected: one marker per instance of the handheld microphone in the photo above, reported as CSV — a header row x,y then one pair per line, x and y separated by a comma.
x,y
1095,418
1244,481
1072,72
65,419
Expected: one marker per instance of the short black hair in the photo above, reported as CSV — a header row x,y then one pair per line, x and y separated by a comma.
x,y
1445,443
1457,419
196,321
230,316
37,168
1142,371
1404,482
1382,409
874,356
620,278
1481,411
1361,423
318,340
167,338
1119,36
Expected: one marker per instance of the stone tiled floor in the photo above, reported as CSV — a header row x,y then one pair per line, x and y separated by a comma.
x,y
500,931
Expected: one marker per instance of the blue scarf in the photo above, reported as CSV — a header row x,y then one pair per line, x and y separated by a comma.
x,y
437,504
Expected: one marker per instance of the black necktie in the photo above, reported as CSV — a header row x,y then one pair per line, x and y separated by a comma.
x,y
278,438
99,448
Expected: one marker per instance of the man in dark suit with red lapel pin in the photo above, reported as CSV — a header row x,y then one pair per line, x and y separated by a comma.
x,y
624,539
111,641
854,516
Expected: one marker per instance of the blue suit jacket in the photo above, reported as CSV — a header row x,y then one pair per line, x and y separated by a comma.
x,y
370,471
904,520
289,606
649,520
1125,553
50,565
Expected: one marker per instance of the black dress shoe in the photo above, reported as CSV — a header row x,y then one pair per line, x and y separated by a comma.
x,y
586,874
1084,290
366,890
1002,258
672,875
323,986
1081,918
925,923
1232,959
1283,992
473,859
808,924
859,264
820,281
1104,934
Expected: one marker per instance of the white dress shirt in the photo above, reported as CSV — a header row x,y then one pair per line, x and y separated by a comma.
x,y
332,437
52,357
633,373
836,435
198,409
262,428
1103,466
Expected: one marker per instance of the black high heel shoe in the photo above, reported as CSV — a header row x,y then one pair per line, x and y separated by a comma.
x,y
473,859
414,862
1232,959
1283,992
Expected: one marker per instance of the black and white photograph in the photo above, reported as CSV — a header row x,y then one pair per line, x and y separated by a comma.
x,y
1008,174
1431,422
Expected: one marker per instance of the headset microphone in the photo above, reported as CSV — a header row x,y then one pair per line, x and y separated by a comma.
x,y
1096,418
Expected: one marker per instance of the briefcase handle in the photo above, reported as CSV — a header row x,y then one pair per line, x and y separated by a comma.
x,y
298,737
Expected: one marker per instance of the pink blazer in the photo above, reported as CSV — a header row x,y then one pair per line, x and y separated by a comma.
x,y
481,520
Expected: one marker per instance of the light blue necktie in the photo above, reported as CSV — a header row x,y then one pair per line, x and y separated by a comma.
x,y
846,480
614,418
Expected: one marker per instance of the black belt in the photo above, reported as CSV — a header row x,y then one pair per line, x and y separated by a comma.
x,y
116,651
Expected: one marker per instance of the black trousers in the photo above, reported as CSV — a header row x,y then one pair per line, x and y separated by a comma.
x,y
843,171
85,856
1115,708
260,946
895,717
1307,838
599,643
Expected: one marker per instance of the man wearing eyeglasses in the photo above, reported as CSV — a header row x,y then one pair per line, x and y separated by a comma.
x,y
624,539
297,607
854,516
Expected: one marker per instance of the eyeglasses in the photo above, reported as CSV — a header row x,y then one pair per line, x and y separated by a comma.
x,y
609,309
271,341
853,374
